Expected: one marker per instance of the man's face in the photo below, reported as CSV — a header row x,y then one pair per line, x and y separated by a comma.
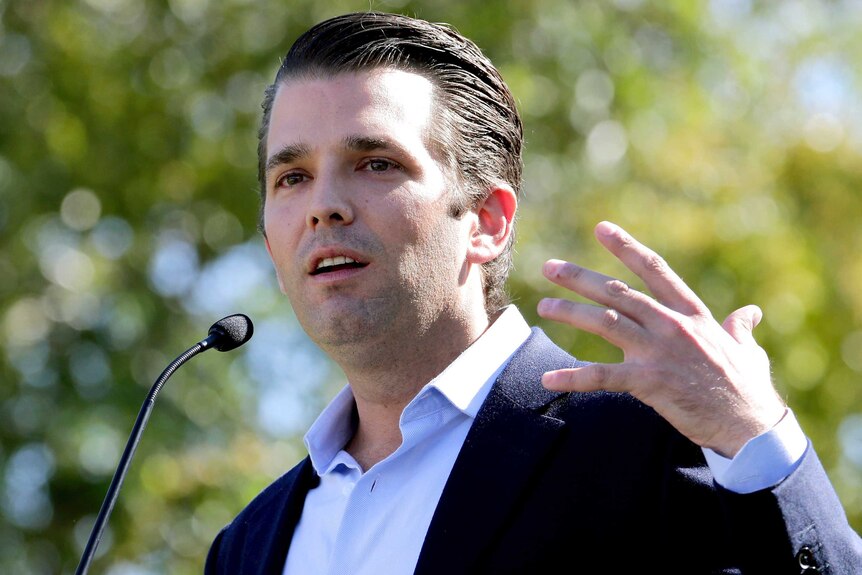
x,y
356,214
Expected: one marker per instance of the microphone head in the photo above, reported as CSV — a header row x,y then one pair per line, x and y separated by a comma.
x,y
231,332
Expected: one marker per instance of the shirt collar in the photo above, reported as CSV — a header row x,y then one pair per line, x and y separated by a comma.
x,y
467,380
331,431
465,383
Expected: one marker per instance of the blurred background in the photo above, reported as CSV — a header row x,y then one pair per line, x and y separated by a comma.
x,y
726,134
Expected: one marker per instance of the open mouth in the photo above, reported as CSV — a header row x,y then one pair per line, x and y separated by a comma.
x,y
328,265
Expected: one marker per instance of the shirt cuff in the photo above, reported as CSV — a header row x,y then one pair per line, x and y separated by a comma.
x,y
764,461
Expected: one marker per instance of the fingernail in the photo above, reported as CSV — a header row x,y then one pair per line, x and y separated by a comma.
x,y
548,381
551,266
543,305
552,381
605,228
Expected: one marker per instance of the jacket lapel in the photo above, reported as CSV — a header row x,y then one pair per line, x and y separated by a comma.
x,y
270,544
509,437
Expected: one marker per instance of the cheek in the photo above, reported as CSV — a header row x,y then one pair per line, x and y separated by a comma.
x,y
280,222
282,245
438,241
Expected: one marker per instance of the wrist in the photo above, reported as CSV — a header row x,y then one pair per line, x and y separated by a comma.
x,y
762,462
742,432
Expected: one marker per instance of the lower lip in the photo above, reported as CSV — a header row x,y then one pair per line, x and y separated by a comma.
x,y
339,275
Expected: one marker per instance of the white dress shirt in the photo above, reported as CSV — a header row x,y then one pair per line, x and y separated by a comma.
x,y
375,522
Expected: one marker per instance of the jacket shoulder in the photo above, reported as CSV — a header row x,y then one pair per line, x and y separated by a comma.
x,y
521,381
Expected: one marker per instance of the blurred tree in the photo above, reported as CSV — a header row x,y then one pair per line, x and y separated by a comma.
x,y
725,134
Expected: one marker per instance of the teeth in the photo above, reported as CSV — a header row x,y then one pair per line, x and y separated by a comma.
x,y
336,261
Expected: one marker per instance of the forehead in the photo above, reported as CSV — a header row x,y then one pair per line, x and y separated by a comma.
x,y
394,103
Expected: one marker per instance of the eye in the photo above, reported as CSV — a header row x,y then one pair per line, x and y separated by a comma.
x,y
290,179
379,165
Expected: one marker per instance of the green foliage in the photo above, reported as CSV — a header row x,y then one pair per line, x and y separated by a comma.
x,y
726,135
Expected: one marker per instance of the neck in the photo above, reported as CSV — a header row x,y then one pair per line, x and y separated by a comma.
x,y
386,378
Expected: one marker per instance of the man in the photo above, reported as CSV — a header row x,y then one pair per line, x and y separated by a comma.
x,y
390,159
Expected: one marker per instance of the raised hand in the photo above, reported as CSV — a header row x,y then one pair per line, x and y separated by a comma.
x,y
711,382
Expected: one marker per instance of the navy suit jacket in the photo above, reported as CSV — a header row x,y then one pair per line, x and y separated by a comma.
x,y
580,483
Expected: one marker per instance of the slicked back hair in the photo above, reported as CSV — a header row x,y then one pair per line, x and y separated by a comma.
x,y
477,133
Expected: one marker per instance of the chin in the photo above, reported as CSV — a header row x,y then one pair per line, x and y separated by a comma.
x,y
344,328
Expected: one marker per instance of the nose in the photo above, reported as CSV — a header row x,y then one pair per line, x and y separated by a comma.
x,y
330,204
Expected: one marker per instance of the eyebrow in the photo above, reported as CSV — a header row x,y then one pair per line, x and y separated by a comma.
x,y
286,155
368,144
293,152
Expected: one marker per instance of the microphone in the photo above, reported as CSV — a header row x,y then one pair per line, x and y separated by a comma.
x,y
229,332
224,335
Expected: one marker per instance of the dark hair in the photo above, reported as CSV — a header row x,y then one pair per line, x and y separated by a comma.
x,y
478,132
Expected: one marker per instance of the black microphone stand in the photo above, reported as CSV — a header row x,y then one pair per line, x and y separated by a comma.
x,y
215,339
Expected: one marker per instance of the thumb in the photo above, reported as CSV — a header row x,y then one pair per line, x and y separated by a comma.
x,y
742,322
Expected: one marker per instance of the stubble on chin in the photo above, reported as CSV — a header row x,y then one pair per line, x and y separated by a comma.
x,y
351,332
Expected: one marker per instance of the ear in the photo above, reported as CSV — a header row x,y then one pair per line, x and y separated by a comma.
x,y
277,275
495,216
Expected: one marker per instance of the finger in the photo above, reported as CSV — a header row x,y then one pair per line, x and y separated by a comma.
x,y
667,287
605,290
592,377
608,323
741,323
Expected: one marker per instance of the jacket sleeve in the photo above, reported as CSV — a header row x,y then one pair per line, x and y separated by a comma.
x,y
799,523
